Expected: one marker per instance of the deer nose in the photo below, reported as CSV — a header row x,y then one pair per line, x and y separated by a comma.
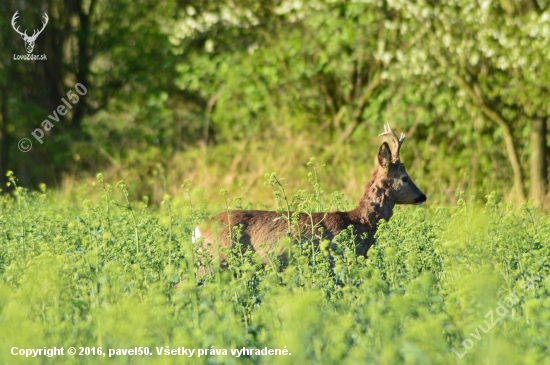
x,y
421,199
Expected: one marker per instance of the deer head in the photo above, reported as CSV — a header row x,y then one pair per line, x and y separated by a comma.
x,y
396,182
29,41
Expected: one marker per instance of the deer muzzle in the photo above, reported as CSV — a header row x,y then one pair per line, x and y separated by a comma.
x,y
421,199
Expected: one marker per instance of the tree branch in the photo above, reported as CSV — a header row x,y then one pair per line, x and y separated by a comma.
x,y
369,90
494,116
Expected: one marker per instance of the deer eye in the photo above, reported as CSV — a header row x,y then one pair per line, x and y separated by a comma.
x,y
405,179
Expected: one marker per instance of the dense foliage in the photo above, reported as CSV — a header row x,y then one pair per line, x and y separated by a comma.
x,y
102,273
222,92
179,85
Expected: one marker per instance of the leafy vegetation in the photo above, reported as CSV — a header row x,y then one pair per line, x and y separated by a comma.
x,y
102,273
224,92
206,84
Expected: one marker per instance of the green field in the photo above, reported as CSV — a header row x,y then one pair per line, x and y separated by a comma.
x,y
100,272
124,124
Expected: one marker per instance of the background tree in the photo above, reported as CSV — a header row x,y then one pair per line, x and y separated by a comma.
x,y
493,56
467,79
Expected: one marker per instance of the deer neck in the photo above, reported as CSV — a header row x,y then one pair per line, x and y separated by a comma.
x,y
375,203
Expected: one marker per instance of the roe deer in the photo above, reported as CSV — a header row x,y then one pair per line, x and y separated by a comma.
x,y
260,230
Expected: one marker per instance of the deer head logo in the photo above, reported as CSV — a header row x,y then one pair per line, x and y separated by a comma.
x,y
29,41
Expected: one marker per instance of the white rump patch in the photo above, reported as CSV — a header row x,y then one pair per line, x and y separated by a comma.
x,y
196,235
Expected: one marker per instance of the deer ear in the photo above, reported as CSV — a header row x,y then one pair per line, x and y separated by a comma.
x,y
384,155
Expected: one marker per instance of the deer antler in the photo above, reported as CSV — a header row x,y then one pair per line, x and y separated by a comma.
x,y
396,142
34,36
13,19
24,34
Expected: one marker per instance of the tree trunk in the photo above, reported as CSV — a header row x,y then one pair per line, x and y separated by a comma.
x,y
83,40
510,149
4,138
509,141
539,165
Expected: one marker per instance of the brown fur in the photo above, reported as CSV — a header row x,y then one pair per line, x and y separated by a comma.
x,y
261,230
